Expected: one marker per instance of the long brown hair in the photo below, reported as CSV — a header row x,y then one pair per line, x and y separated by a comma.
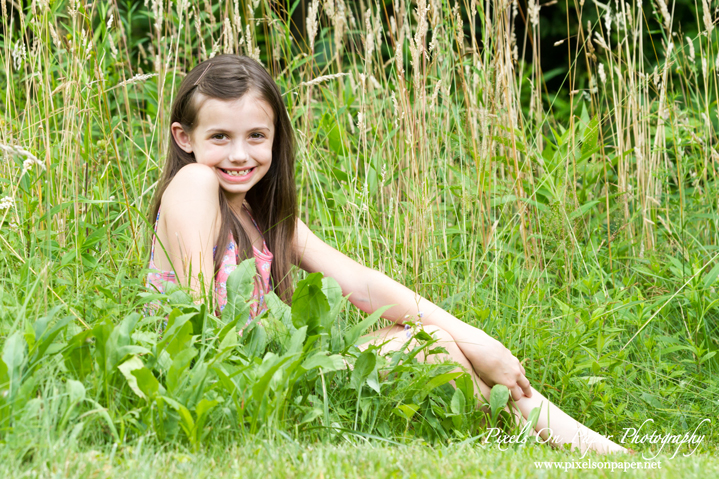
x,y
273,200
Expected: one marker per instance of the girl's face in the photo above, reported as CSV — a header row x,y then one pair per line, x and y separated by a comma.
x,y
235,139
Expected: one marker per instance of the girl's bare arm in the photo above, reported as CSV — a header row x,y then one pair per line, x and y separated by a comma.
x,y
189,221
372,289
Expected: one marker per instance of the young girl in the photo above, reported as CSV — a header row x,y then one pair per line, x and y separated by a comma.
x,y
228,192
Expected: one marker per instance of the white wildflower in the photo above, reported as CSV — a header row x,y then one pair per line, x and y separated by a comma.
x,y
691,50
28,163
665,13
533,10
602,74
19,54
229,41
433,98
136,79
6,203
321,79
608,19
55,37
109,21
593,85
397,116
113,48
312,23
32,159
600,40
329,8
369,38
237,18
339,23
706,16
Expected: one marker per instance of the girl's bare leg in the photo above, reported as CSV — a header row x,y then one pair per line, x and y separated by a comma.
x,y
554,425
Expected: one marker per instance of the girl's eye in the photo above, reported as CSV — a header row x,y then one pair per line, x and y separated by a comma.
x,y
218,135
259,135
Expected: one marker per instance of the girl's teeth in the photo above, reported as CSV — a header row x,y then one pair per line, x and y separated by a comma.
x,y
237,173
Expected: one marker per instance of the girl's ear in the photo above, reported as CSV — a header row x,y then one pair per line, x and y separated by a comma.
x,y
181,137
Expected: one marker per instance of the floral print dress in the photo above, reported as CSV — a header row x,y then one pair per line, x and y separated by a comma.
x,y
230,260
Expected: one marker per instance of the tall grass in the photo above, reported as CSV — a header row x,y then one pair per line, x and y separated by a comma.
x,y
429,148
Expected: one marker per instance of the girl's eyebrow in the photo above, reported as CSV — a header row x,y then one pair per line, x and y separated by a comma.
x,y
217,129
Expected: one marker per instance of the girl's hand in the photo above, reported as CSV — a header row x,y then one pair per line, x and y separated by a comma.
x,y
494,363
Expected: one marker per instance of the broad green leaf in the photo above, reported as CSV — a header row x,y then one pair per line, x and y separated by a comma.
x,y
465,384
333,292
181,340
438,381
102,332
40,325
240,285
356,331
231,325
280,310
406,411
711,276
309,305
196,388
256,340
127,368
297,340
583,209
4,378
498,398
202,409
77,355
327,363
311,415
373,381
75,390
179,366
186,421
229,341
46,338
364,366
147,382
707,357
14,357
458,402
260,387
589,139
123,351
176,323
119,338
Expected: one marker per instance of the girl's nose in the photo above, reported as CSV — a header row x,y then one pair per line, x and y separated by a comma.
x,y
239,151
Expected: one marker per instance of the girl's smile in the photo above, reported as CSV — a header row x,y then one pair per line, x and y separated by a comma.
x,y
234,138
236,175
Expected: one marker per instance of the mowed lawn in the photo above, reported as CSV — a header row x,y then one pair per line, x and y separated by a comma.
x,y
289,460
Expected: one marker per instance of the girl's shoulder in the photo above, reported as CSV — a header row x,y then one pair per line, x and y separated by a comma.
x,y
191,197
193,179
